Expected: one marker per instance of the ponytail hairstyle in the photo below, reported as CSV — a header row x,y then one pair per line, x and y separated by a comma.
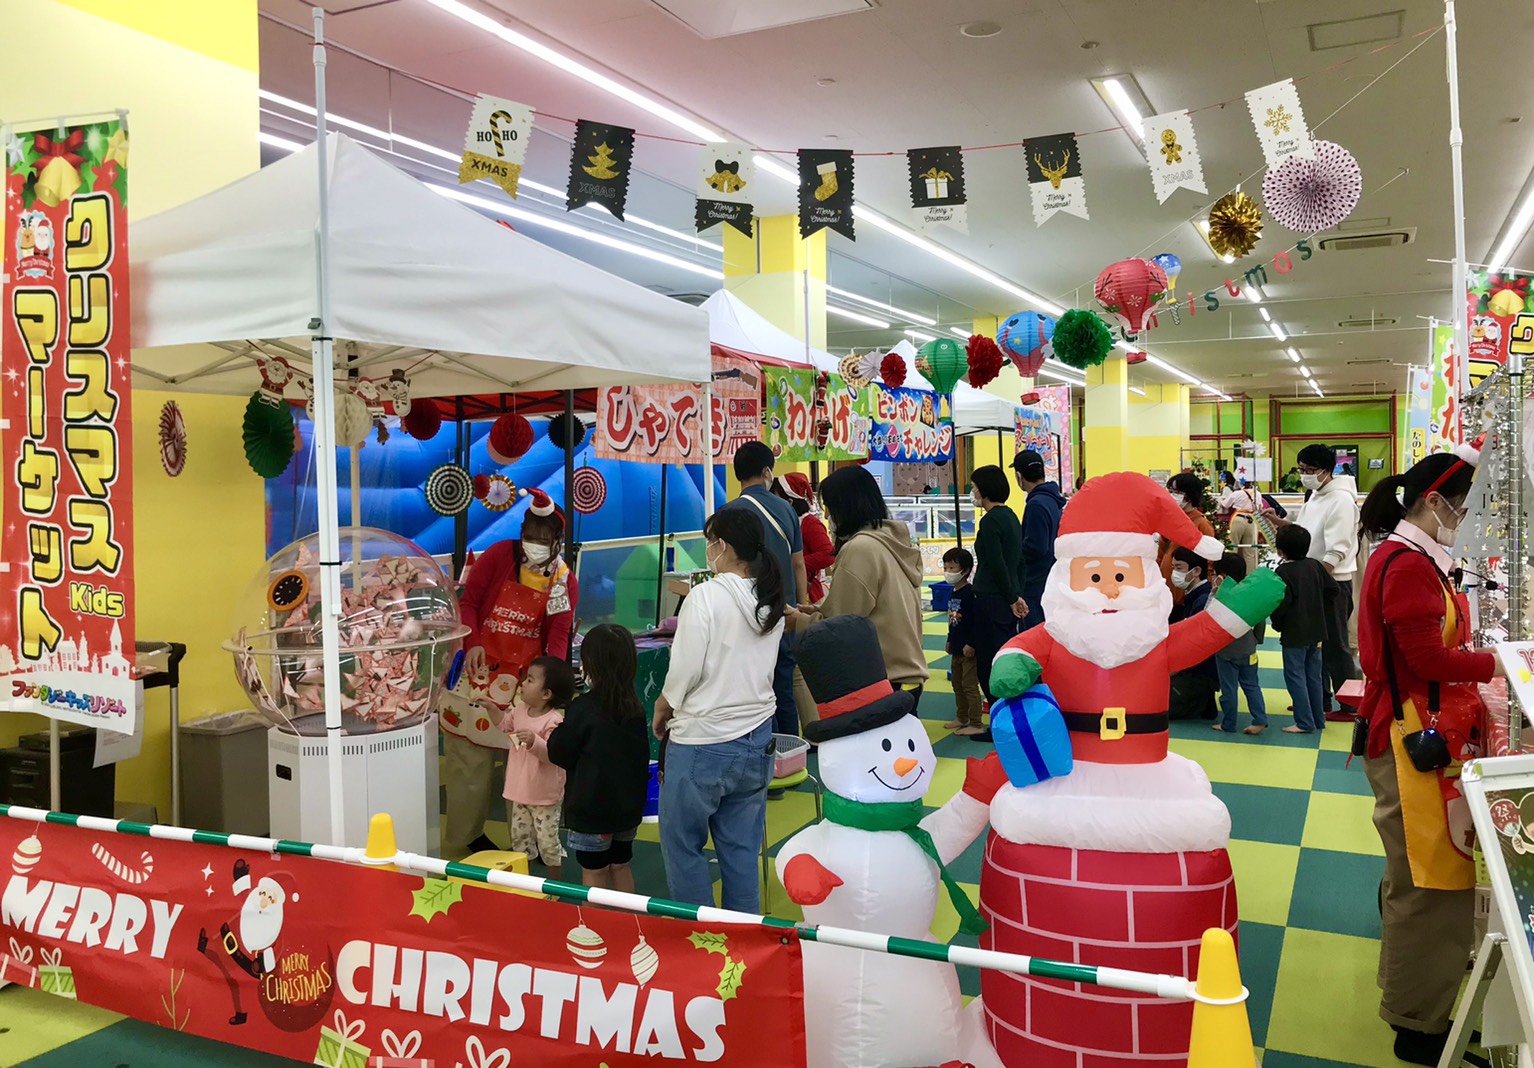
x,y
1444,473
744,533
610,664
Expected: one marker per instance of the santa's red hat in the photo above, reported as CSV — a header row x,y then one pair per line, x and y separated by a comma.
x,y
1123,514
538,502
797,485
278,886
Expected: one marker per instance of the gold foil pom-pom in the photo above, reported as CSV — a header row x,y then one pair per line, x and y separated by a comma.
x,y
1235,224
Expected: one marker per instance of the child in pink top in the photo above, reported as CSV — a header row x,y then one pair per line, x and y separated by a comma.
x,y
535,788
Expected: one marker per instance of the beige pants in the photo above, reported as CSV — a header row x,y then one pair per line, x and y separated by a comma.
x,y
803,701
535,831
472,775
967,701
1426,934
1244,536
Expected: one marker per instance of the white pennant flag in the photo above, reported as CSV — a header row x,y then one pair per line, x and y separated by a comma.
x,y
1280,122
495,146
1172,151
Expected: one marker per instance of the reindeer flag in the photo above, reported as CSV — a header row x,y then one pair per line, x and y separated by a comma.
x,y
726,186
1054,177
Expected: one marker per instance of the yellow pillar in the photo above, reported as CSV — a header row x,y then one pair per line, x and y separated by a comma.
x,y
771,271
186,71
1105,435
1158,428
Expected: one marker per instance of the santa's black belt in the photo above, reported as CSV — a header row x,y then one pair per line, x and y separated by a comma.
x,y
1114,723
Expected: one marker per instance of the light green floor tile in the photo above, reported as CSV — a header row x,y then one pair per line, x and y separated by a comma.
x,y
1342,822
947,780
1270,658
1264,880
1252,765
35,1023
1337,738
1326,1004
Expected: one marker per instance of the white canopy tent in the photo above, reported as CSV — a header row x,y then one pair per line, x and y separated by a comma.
x,y
974,409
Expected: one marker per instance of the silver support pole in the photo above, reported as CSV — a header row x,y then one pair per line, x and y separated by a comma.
x,y
708,449
175,753
1517,531
55,769
1457,167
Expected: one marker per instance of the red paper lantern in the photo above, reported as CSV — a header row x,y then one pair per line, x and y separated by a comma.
x,y
1129,291
1136,357
892,370
423,420
481,487
510,438
1028,398
985,360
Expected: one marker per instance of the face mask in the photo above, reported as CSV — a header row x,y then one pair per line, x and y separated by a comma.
x,y
1182,579
537,555
712,560
953,578
1178,499
974,498
1446,533
1311,482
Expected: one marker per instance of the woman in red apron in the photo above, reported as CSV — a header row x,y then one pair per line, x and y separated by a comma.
x,y
1413,634
519,604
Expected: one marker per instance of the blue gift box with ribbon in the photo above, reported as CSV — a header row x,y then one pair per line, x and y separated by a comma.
x,y
1031,737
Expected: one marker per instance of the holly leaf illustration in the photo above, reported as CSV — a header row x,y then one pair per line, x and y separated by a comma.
x,y
730,977
435,897
711,943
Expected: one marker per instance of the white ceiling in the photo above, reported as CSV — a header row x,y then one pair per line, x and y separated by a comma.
x,y
902,76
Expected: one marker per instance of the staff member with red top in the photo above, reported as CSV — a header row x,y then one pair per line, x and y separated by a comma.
x,y
1413,632
819,553
519,604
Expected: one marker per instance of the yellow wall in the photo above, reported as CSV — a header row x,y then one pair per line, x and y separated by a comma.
x,y
1105,432
768,271
1158,428
186,72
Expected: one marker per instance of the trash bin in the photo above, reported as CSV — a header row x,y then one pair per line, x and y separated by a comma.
x,y
224,774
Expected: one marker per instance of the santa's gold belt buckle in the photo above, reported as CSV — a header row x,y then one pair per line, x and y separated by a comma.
x,y
1114,726
231,944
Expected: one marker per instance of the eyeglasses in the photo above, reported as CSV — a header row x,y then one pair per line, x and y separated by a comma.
x,y
1306,469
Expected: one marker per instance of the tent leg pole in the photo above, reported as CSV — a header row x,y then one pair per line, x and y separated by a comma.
x,y
571,548
708,454
958,527
461,520
660,545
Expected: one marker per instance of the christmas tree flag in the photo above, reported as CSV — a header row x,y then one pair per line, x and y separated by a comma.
x,y
600,161
825,191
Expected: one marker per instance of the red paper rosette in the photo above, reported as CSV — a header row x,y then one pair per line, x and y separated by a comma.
x,y
588,490
985,360
423,420
892,370
172,439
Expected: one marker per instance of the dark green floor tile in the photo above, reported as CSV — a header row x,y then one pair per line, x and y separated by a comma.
x,y
1261,946
1335,777
131,1044
1264,813
1272,1058
1337,892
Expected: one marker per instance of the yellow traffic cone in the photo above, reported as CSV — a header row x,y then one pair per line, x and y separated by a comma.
x,y
381,844
1222,1033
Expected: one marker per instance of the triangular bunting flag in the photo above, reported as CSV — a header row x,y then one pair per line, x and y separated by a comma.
x,y
937,187
726,185
825,191
495,146
1280,122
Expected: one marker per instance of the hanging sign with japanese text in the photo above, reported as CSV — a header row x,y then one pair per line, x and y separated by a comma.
x,y
1495,300
1044,425
812,415
911,426
662,424
66,594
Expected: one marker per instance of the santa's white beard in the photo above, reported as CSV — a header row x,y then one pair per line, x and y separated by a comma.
x,y
1080,620
259,927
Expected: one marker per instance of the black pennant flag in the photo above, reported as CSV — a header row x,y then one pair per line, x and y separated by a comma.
x,y
600,161
937,186
825,191
726,185
1054,177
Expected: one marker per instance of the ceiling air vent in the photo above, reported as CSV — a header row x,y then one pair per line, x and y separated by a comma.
x,y
1371,322
726,18
1380,360
1401,235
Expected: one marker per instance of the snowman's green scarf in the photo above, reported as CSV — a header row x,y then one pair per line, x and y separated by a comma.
x,y
904,816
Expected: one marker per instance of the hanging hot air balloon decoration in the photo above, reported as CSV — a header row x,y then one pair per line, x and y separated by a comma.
x,y
1129,290
943,362
1028,338
1173,267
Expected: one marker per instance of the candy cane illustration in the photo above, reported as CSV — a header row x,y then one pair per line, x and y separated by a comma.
x,y
131,876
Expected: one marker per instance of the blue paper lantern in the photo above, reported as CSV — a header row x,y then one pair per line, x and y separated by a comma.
x,y
1026,338
1173,267
1031,737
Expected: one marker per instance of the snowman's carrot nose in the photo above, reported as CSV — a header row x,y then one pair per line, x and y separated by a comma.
x,y
904,765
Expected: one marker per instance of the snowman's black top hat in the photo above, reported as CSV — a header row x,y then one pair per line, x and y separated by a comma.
x,y
844,669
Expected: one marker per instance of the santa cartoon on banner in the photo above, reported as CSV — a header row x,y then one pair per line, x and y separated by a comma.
x,y
1121,862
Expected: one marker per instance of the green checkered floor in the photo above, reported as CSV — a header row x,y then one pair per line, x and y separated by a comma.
x,y
1306,857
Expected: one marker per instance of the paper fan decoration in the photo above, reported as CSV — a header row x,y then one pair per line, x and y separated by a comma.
x,y
449,489
1311,195
1235,225
501,494
588,490
567,431
268,435
852,371
892,370
172,439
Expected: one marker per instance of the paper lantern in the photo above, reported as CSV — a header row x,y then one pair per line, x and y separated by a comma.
x,y
1129,290
1235,225
892,370
352,419
481,487
423,420
268,435
1028,338
567,432
510,438
946,363
1311,195
1173,267
1082,339
172,439
985,360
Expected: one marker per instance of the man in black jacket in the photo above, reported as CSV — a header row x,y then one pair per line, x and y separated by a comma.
x,y
1041,523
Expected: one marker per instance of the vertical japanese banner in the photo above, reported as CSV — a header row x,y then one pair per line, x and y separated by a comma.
x,y
1052,418
737,405
1419,412
808,419
67,610
1495,301
1443,419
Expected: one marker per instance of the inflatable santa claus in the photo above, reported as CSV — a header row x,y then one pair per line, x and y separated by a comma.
x,y
1122,862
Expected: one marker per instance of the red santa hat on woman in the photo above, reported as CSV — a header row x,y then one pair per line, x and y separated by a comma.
x,y
1123,514
797,485
539,503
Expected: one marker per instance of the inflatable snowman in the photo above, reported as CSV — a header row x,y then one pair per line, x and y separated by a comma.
x,y
876,861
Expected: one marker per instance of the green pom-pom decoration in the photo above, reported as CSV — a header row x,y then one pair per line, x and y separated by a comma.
x,y
268,433
1082,339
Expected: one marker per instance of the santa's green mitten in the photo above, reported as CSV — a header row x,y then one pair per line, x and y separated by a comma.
x,y
1012,672
1254,597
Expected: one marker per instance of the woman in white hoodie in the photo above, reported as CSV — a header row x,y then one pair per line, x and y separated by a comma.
x,y
715,713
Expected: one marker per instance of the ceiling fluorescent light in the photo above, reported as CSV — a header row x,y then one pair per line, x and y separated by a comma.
x,y
917,335
1265,316
857,317
1278,332
1137,391
572,66
1156,361
1050,372
1295,356
278,142
1316,388
961,334
560,226
1304,370
912,316
1116,93
1254,293
1517,229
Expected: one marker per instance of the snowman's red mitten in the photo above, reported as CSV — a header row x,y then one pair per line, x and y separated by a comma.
x,y
982,778
808,881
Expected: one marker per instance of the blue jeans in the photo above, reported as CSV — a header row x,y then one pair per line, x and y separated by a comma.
x,y
1302,676
786,719
1237,677
718,789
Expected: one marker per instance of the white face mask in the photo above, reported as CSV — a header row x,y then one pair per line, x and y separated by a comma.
x,y
1446,534
1178,499
974,498
1183,579
537,555
711,559
1311,482
953,578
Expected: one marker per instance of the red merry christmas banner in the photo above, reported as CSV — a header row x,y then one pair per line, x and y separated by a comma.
x,y
355,968
66,599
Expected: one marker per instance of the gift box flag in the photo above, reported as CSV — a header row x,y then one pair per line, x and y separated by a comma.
x,y
16,966
53,978
341,1044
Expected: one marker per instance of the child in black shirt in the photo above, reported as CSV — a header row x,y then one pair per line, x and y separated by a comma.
x,y
1301,621
969,708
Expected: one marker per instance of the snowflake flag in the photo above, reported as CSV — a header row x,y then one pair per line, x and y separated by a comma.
x,y
726,185
1054,177
600,161
1172,151
937,187
1280,122
825,191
